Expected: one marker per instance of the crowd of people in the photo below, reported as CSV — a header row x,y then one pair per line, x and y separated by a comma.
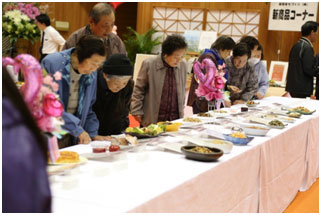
x,y
98,92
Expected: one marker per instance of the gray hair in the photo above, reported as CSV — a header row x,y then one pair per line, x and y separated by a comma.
x,y
100,9
112,77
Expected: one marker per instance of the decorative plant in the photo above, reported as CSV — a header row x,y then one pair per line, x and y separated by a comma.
x,y
18,21
140,43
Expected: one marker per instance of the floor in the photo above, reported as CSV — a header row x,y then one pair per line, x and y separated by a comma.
x,y
306,202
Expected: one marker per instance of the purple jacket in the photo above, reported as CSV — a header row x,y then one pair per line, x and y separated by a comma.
x,y
25,185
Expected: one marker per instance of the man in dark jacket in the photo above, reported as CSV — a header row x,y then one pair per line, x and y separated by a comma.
x,y
301,63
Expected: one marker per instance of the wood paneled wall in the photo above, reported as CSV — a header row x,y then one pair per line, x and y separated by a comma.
x,y
76,13
272,41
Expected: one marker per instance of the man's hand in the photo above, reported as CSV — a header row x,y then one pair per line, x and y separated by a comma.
x,y
234,89
84,138
236,102
102,138
259,95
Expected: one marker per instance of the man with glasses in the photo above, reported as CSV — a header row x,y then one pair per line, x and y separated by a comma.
x,y
101,23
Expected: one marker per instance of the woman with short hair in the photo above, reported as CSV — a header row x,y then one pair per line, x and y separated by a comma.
x,y
242,76
159,93
77,88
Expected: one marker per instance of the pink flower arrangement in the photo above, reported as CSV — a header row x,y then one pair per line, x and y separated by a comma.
x,y
28,9
39,93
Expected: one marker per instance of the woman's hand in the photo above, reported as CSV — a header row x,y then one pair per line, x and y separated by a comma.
x,y
102,138
84,138
234,89
236,102
258,95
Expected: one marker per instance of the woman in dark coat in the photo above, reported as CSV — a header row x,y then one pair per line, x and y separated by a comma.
x,y
114,90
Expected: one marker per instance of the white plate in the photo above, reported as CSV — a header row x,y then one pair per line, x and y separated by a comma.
x,y
224,145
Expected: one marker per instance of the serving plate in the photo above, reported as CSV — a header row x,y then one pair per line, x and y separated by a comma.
x,y
141,136
249,129
82,160
217,153
224,145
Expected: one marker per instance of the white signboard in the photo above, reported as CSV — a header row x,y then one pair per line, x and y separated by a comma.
x,y
287,16
207,39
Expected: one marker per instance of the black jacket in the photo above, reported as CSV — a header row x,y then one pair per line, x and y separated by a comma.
x,y
301,68
112,109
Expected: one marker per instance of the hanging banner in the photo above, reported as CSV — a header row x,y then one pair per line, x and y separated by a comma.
x,y
287,16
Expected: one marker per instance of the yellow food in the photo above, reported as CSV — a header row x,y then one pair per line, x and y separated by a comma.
x,y
204,115
68,157
200,149
255,127
250,102
190,119
238,135
303,109
173,127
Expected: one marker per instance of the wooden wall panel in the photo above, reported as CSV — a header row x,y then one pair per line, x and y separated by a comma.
x,y
272,41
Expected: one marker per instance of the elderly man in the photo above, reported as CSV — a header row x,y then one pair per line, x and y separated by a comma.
x,y
101,23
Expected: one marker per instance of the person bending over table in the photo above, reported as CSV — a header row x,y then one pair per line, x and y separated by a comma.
x,y
114,90
220,49
242,80
159,92
77,88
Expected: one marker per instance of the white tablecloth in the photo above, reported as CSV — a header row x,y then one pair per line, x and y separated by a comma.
x,y
261,177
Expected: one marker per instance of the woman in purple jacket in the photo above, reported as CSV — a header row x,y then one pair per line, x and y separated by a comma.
x,y
25,186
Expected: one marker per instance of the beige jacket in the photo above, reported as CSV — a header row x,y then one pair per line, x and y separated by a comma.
x,y
149,87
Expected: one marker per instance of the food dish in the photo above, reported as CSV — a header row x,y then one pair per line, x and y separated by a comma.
x,y
252,103
238,141
294,114
191,119
192,152
204,115
69,158
170,126
276,124
255,129
302,110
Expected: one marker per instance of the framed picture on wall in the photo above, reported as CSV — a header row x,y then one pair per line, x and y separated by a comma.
x,y
278,72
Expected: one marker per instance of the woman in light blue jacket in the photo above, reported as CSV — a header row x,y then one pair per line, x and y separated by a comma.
x,y
77,88
260,68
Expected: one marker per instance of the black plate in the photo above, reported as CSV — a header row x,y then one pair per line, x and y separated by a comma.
x,y
141,136
202,156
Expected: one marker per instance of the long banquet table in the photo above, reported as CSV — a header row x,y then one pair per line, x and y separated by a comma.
x,y
263,176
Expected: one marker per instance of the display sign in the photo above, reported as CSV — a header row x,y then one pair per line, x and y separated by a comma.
x,y
207,39
287,16
278,72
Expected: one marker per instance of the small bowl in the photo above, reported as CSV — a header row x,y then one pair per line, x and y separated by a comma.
x,y
100,146
238,141
202,156
173,127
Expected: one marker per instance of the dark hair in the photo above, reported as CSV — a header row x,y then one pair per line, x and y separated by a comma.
x,y
10,91
100,9
308,27
43,19
260,48
241,49
89,45
223,43
250,41
172,43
